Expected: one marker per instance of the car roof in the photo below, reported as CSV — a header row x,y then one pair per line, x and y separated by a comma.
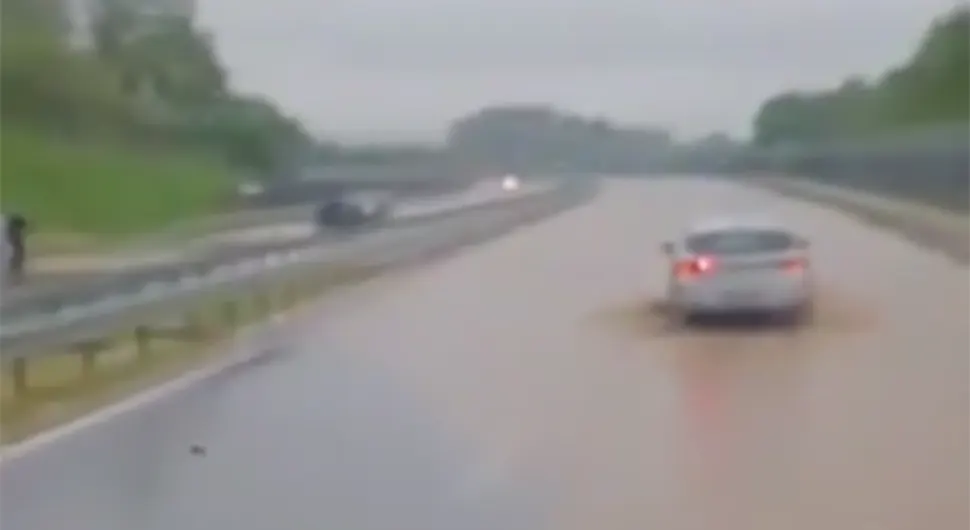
x,y
736,222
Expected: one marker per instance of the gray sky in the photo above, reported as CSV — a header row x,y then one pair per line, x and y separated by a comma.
x,y
361,70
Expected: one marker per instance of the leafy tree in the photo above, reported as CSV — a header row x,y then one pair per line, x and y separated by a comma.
x,y
163,53
42,81
149,82
931,87
934,84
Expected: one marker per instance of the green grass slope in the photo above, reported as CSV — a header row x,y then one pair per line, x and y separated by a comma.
x,y
101,189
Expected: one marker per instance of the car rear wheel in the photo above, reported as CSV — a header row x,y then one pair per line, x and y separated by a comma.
x,y
678,318
807,313
800,316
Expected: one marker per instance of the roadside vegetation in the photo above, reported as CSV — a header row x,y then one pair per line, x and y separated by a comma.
x,y
99,187
903,135
921,106
927,91
128,129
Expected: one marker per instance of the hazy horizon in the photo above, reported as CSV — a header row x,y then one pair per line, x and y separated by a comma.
x,y
401,70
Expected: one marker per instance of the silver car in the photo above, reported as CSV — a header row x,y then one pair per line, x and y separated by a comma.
x,y
735,266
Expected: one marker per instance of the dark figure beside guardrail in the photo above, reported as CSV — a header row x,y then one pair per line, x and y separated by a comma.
x,y
15,247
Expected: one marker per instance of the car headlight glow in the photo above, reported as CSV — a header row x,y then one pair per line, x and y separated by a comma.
x,y
510,183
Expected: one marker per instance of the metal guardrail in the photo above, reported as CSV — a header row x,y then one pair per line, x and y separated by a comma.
x,y
31,334
129,283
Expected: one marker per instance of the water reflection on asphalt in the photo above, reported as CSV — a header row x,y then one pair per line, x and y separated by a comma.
x,y
305,442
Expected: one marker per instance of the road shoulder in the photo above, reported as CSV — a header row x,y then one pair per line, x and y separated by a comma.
x,y
931,228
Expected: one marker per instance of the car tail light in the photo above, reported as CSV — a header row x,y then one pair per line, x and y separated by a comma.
x,y
694,267
794,265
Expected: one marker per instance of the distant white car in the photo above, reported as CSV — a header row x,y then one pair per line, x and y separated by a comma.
x,y
510,183
250,189
734,265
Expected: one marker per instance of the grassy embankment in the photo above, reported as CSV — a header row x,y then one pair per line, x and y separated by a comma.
x,y
83,194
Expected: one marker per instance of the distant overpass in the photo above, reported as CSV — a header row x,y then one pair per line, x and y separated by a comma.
x,y
401,178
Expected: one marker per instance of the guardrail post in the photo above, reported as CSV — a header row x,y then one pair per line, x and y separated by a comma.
x,y
264,304
230,314
291,293
19,376
142,341
195,328
287,294
89,351
276,297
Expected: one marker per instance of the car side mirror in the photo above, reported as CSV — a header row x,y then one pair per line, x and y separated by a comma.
x,y
667,247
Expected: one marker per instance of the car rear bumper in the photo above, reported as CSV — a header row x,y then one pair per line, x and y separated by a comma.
x,y
765,303
723,309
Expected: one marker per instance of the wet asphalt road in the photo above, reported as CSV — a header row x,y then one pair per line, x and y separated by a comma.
x,y
527,383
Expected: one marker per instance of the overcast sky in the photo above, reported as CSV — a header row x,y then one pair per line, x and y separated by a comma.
x,y
361,70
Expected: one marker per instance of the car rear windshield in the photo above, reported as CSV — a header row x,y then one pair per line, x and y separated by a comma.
x,y
746,241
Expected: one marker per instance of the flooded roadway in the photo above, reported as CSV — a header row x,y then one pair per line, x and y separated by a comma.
x,y
526,384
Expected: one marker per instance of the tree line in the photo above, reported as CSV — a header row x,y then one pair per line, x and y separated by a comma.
x,y
543,138
155,80
927,93
928,89
149,80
